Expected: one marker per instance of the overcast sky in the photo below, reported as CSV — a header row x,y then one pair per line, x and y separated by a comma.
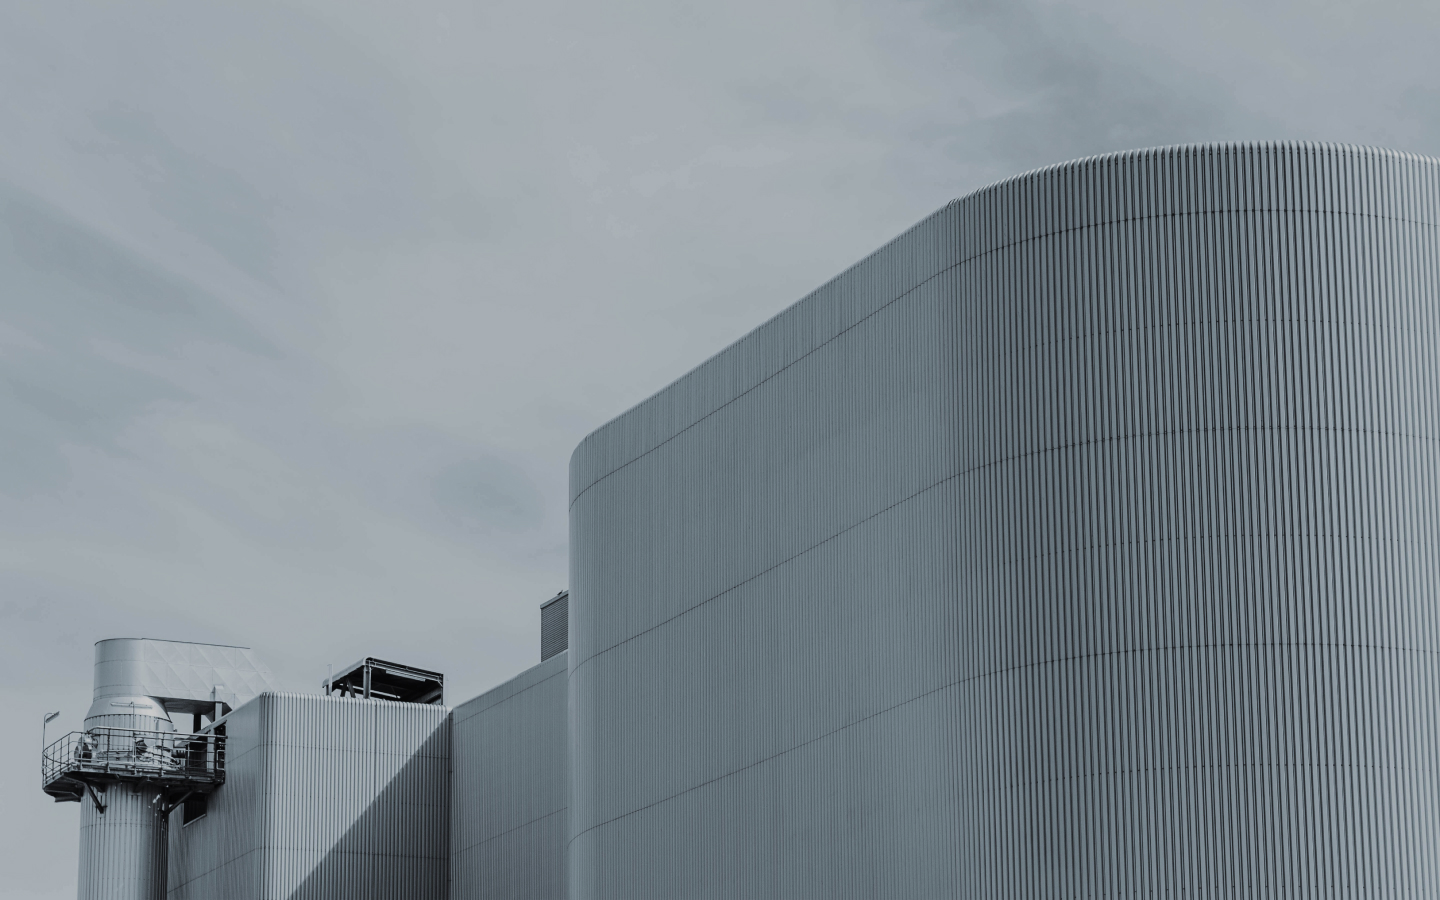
x,y
303,307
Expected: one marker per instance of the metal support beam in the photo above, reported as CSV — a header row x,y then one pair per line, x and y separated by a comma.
x,y
168,808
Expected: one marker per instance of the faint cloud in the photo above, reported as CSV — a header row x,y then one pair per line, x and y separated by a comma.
x,y
206,200
587,165
488,494
30,611
75,296
721,156
73,282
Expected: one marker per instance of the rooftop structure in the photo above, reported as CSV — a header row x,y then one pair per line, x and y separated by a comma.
x,y
379,679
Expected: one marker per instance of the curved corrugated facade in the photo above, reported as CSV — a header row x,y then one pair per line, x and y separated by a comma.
x,y
1081,541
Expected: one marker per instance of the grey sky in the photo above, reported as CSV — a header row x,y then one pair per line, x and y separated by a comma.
x,y
304,306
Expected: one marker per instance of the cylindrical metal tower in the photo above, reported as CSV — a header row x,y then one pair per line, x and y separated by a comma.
x,y
123,823
123,849
1081,542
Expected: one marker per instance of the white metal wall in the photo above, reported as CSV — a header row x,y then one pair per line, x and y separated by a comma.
x,y
325,798
1081,541
509,785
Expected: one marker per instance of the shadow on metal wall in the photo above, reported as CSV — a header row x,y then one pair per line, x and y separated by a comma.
x,y
394,851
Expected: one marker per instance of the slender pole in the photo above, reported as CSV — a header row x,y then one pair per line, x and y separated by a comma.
x,y
49,717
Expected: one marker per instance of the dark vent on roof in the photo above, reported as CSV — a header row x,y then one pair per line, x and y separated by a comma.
x,y
555,625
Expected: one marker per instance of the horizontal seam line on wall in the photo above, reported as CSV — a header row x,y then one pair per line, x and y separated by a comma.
x,y
496,837
499,703
739,584
802,744
1000,462
901,296
1205,537
1173,648
1014,785
228,862
767,379
979,676
1203,429
1192,323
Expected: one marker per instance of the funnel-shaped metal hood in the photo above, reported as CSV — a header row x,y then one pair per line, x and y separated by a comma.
x,y
184,677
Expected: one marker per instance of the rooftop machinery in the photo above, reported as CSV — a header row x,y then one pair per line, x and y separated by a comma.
x,y
130,768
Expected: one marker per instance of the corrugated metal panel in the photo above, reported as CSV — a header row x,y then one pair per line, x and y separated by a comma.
x,y
221,855
1081,541
122,850
326,798
509,789
555,625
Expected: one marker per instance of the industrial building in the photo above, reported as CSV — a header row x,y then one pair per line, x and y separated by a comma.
x,y
1080,541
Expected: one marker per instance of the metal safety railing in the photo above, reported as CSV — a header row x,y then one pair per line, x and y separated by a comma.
x,y
134,754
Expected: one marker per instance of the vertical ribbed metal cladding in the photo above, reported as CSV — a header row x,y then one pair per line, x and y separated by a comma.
x,y
508,777
122,850
1079,542
221,854
335,798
